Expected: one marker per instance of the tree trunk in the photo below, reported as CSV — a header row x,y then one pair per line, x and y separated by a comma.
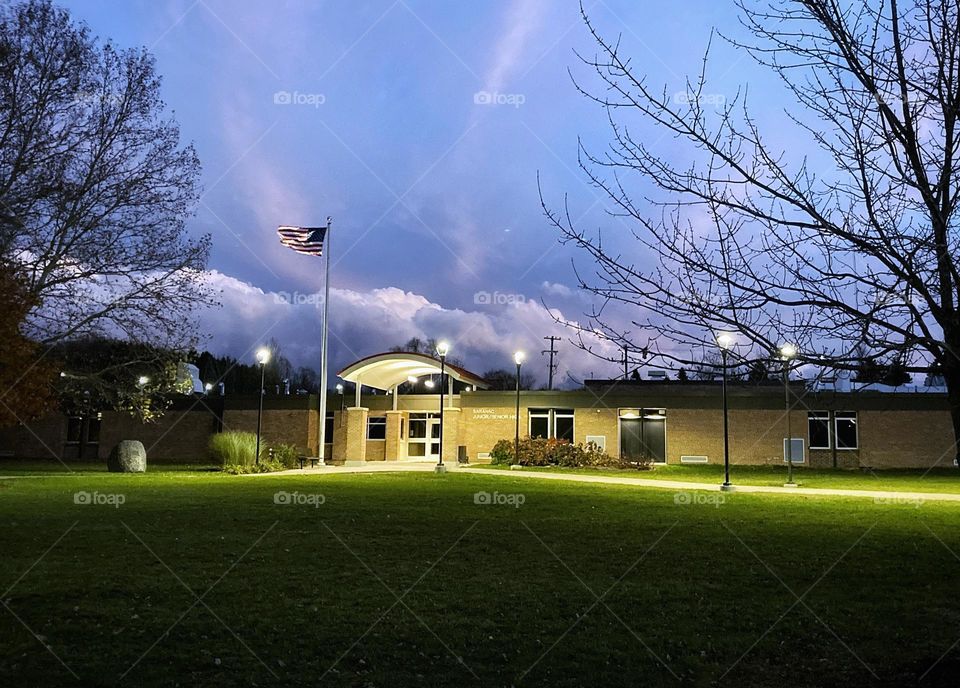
x,y
951,376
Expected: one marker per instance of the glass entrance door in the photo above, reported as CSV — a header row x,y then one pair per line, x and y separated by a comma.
x,y
643,435
423,443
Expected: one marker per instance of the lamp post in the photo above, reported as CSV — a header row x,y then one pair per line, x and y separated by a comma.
x,y
442,350
725,341
518,359
787,353
263,357
340,392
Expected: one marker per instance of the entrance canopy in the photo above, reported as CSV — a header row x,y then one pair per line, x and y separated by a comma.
x,y
386,371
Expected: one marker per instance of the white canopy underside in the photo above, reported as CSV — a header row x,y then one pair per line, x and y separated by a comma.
x,y
386,371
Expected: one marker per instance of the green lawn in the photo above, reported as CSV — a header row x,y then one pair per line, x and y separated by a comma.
x,y
698,593
900,480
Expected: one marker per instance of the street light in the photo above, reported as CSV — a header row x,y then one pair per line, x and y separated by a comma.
x,y
788,352
443,348
518,359
143,380
340,392
725,341
263,357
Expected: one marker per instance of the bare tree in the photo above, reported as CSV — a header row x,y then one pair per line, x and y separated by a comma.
x,y
851,249
95,186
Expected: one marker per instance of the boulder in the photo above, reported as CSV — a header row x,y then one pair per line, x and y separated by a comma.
x,y
128,456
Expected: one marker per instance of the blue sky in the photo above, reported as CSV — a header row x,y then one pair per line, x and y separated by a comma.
x,y
369,112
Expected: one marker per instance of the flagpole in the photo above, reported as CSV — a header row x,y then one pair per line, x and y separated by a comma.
x,y
323,347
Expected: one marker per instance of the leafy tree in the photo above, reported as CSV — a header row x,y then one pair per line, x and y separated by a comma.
x,y
119,374
503,379
27,378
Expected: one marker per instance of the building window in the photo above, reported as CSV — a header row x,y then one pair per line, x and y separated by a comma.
x,y
818,427
328,428
845,429
93,429
563,424
552,423
377,428
74,429
540,423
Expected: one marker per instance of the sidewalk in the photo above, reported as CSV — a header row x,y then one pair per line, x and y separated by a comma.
x,y
424,467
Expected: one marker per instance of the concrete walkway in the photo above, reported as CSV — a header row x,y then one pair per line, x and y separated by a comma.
x,y
893,497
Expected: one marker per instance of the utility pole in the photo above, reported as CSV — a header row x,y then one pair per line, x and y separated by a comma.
x,y
626,361
553,352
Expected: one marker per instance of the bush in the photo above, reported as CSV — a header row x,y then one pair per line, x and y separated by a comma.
x,y
233,448
502,453
286,455
537,451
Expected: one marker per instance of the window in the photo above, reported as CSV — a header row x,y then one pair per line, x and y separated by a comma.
x,y
845,429
540,423
93,429
74,429
552,423
818,427
328,428
563,424
377,428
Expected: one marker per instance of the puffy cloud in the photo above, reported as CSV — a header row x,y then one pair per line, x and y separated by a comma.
x,y
367,322
556,289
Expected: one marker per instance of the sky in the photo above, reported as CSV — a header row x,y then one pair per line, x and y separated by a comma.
x,y
422,128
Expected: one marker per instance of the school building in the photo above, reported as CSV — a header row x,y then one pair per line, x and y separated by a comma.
x,y
675,422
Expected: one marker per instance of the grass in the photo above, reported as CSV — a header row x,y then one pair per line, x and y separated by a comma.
x,y
692,594
899,480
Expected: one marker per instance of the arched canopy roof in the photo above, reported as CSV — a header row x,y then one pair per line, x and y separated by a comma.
x,y
387,370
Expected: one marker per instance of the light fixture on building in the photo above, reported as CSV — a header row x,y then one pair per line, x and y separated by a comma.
x,y
428,383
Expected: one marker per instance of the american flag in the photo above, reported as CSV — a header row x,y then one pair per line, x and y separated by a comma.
x,y
306,240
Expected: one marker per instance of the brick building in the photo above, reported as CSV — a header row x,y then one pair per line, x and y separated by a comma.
x,y
676,422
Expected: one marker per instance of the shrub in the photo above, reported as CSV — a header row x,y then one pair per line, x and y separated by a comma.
x,y
265,466
286,455
502,452
537,451
233,448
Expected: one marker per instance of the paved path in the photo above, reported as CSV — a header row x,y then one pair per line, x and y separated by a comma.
x,y
676,485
